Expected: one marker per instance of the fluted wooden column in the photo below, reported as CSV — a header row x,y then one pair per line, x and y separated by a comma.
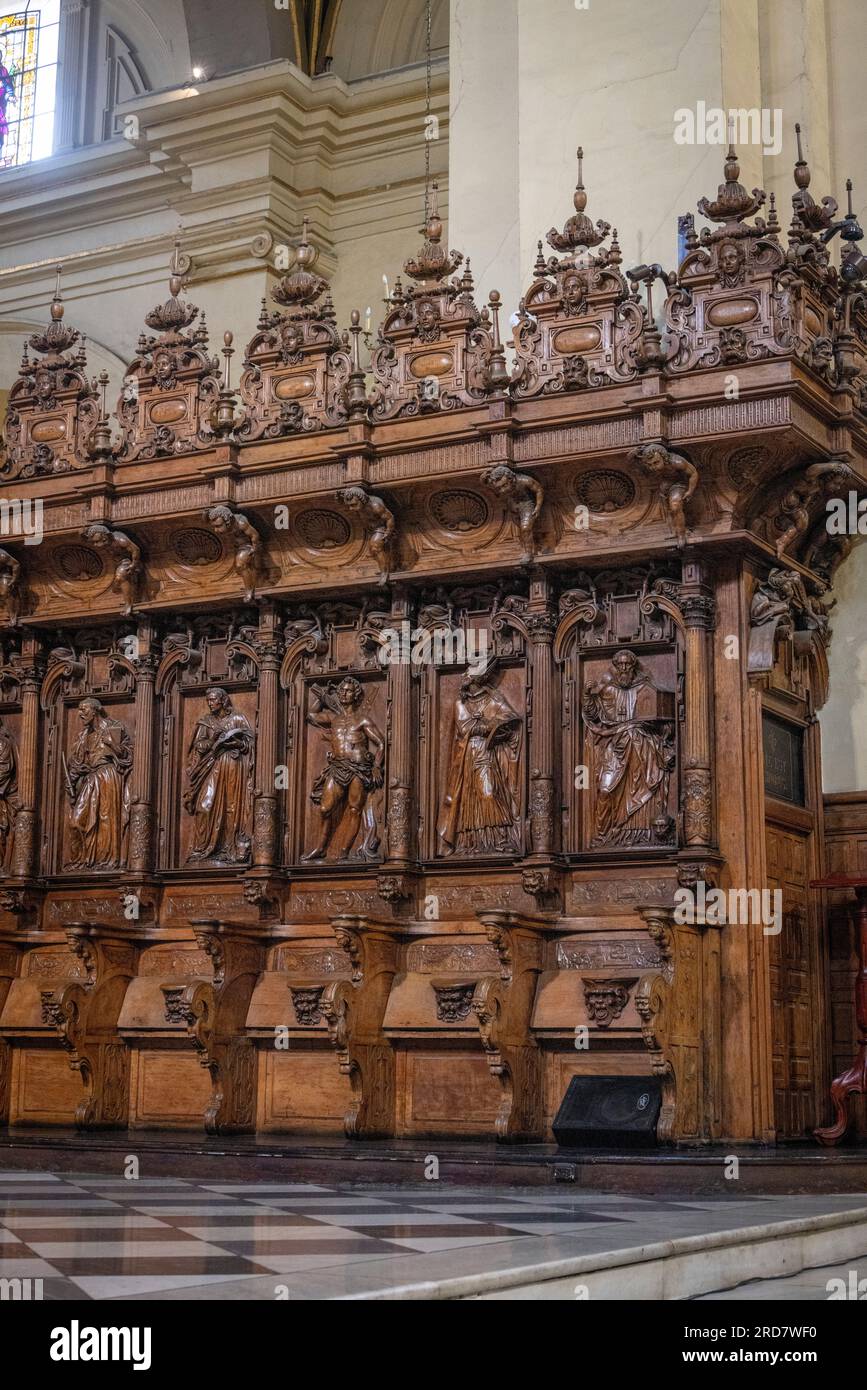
x,y
269,648
142,817
699,613
24,851
541,624
400,803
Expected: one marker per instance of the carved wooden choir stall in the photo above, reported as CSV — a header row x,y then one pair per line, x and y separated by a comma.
x,y
358,727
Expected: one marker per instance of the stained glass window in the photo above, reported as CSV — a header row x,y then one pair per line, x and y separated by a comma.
x,y
28,76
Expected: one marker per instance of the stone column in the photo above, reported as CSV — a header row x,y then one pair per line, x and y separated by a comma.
x,y
72,84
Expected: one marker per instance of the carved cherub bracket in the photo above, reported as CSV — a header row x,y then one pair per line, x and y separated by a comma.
x,y
677,480
523,497
246,542
10,589
126,557
377,519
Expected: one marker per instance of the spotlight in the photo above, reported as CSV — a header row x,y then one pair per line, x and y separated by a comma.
x,y
198,74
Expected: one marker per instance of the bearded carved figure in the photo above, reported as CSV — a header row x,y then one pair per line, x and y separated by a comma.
x,y
343,791
97,785
629,724
218,792
480,811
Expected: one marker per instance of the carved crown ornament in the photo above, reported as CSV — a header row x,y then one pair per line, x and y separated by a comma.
x,y
740,294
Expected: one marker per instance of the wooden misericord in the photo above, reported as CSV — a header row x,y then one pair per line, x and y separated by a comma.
x,y
361,729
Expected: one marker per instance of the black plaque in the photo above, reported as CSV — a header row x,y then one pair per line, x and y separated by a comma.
x,y
784,759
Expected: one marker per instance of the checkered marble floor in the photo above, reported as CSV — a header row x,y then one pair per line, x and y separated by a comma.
x,y
98,1237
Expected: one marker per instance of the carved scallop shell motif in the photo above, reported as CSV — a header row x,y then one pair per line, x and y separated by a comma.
x,y
194,547
459,510
322,530
605,490
77,564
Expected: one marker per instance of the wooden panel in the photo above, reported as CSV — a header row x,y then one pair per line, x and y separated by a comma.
x,y
45,1089
794,987
846,850
302,1092
167,1090
446,1093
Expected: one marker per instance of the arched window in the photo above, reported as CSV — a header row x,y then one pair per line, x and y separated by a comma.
x,y
28,77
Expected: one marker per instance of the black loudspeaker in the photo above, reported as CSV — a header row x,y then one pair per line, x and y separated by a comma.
x,y
609,1111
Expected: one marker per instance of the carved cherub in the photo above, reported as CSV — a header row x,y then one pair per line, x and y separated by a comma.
x,y
127,560
678,480
378,519
523,496
246,541
793,517
10,575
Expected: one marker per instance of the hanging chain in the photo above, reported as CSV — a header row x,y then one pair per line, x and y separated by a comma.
x,y
427,124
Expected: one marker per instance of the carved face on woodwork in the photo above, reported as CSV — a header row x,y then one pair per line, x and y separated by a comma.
x,y
100,536
217,700
350,693
624,667
89,711
501,479
355,498
163,367
731,264
43,386
220,518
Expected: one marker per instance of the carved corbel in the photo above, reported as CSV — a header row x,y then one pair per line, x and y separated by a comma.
x,y
503,1006
677,481
378,521
244,540
126,558
85,1014
354,1013
523,497
679,1010
215,1012
793,516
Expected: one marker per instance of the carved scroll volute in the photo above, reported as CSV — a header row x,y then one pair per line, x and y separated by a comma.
x,y
504,1008
86,1021
355,1012
216,1012
680,1012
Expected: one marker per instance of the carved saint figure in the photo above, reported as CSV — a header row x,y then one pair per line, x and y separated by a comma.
x,y
352,772
523,497
480,811
10,575
98,789
218,790
8,788
678,480
633,751
127,560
